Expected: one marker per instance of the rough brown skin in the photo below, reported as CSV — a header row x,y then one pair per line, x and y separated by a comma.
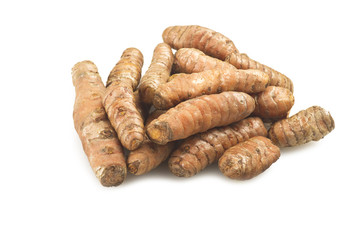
x,y
217,45
142,108
199,151
242,61
191,60
186,86
208,41
149,155
98,137
307,125
273,104
119,100
157,73
248,159
200,114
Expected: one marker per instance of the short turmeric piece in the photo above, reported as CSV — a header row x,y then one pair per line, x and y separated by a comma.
x,y
99,140
183,86
273,104
307,125
199,151
249,158
200,114
157,73
149,155
219,46
119,100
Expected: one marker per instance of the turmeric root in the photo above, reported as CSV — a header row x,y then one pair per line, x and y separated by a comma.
x,y
242,61
248,159
199,115
217,45
119,100
149,155
186,86
208,41
273,104
158,72
191,60
307,125
197,152
98,137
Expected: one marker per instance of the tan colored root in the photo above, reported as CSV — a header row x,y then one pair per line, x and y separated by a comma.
x,y
119,100
311,124
157,73
199,115
99,140
208,41
199,151
248,159
186,86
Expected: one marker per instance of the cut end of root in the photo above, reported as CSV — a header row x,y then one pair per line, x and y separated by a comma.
x,y
134,167
178,170
111,176
134,144
230,169
160,133
160,102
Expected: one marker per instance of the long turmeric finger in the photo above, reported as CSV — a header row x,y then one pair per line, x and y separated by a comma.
x,y
149,155
217,45
307,125
191,60
242,61
208,41
183,86
248,159
157,73
200,114
199,151
98,137
119,100
273,104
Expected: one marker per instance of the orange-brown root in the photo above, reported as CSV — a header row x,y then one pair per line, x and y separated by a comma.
x,y
120,102
208,41
99,140
199,115
157,73
248,159
311,124
186,86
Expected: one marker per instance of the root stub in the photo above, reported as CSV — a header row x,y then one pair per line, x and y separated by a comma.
x,y
111,175
160,132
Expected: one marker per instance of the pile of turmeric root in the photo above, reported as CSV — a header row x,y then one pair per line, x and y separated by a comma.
x,y
206,103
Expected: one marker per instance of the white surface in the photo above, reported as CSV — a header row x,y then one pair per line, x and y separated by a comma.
x,y
48,190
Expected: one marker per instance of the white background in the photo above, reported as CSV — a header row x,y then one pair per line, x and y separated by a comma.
x,y
48,190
